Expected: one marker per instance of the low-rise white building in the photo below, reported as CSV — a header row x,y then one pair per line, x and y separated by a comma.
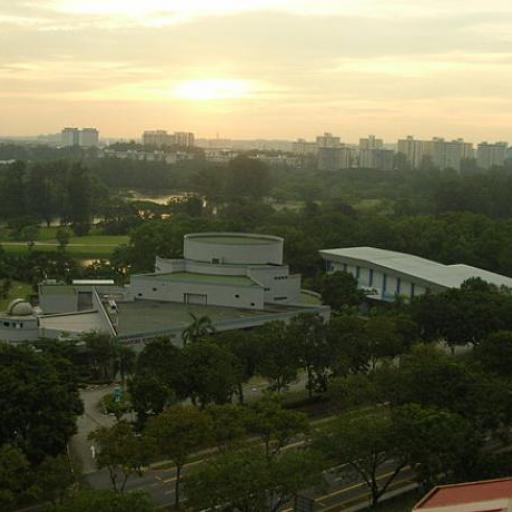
x,y
386,275
237,280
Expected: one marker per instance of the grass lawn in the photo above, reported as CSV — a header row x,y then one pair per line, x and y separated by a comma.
x,y
93,245
19,290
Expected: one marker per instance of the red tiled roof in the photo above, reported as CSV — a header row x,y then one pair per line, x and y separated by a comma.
x,y
474,492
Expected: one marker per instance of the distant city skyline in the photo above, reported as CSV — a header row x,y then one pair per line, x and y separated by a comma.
x,y
275,69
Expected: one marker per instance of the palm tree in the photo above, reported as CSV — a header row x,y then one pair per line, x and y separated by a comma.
x,y
200,326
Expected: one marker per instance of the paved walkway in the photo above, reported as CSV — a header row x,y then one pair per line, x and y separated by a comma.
x,y
80,446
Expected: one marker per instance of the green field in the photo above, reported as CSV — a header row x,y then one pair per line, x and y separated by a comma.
x,y
93,245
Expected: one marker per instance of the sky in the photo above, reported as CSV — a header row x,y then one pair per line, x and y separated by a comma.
x,y
258,68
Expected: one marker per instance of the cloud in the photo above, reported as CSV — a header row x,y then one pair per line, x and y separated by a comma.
x,y
297,65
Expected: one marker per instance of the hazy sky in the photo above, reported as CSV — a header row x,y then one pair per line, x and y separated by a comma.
x,y
258,68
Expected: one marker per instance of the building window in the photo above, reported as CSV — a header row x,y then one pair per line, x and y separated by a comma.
x,y
344,267
413,289
252,304
358,272
237,296
139,294
7,324
155,289
398,285
267,289
384,283
370,279
280,298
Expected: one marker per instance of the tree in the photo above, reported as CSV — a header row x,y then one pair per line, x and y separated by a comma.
x,y
14,476
228,424
210,373
246,481
275,425
463,316
157,377
102,354
31,381
79,190
247,351
349,345
199,328
441,446
313,350
384,340
53,478
105,501
29,234
175,434
247,177
62,237
121,451
495,353
279,359
12,203
149,396
124,362
340,290
367,444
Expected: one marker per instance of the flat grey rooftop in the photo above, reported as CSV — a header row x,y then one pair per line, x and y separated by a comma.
x,y
451,276
148,316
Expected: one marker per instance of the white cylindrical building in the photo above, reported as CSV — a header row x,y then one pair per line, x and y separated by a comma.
x,y
234,248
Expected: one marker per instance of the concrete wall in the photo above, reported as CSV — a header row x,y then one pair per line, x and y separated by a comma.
x,y
201,248
279,285
15,329
145,287
52,303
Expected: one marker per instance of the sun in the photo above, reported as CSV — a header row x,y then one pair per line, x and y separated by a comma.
x,y
213,89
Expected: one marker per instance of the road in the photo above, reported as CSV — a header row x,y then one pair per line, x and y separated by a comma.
x,y
344,490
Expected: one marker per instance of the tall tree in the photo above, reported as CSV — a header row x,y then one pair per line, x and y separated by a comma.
x,y
248,177
210,373
246,481
313,350
14,476
121,451
279,362
198,328
79,190
177,433
31,382
340,290
275,425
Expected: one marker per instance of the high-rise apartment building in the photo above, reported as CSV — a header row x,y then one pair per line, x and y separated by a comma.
x,y
412,149
70,137
441,154
375,158
157,138
89,137
491,155
371,143
327,140
303,147
335,158
184,139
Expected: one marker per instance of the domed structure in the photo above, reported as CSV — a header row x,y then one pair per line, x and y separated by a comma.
x,y
20,307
